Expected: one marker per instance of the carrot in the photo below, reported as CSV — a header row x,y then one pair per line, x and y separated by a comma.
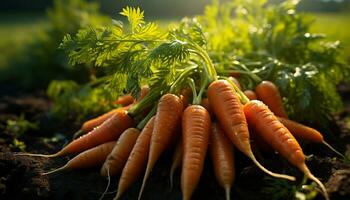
x,y
195,133
144,91
205,103
250,94
108,131
235,81
221,153
92,123
301,131
90,158
137,159
176,161
117,158
169,111
125,100
268,93
228,110
279,137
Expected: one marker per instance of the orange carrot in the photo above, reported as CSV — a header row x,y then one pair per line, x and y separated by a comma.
x,y
221,153
137,159
195,133
92,123
108,131
125,100
303,132
176,161
205,103
90,158
250,94
228,110
235,81
268,93
144,91
169,112
117,158
279,137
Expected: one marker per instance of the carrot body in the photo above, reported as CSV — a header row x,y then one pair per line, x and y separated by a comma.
x,y
235,81
144,91
137,159
107,131
117,158
92,123
169,112
268,93
250,94
227,108
205,103
125,100
279,137
90,158
221,153
301,131
195,133
176,161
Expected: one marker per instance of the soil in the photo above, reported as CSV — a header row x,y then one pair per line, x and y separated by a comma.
x,y
20,176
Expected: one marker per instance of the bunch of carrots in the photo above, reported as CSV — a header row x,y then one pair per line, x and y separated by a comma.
x,y
212,114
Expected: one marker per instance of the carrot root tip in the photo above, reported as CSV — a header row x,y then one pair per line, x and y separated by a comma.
x,y
276,175
227,192
55,170
38,155
108,183
333,149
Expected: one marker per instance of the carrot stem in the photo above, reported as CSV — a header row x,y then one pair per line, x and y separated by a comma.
x,y
182,77
146,119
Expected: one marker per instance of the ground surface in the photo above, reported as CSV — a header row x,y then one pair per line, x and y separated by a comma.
x,y
20,176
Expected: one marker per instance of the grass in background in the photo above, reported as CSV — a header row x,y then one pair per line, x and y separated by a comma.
x,y
335,26
16,30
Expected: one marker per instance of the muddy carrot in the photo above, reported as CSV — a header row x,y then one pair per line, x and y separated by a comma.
x,y
279,137
228,110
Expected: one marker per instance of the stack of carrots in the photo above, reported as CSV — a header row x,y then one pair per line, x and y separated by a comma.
x,y
125,145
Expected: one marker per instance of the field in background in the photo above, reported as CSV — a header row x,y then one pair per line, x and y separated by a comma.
x,y
16,30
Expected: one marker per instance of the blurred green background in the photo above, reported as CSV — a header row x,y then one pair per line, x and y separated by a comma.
x,y
22,21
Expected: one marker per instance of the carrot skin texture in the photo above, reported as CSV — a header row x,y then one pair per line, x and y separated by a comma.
x,y
301,131
137,159
205,103
90,158
107,131
117,158
267,125
195,133
268,93
92,123
250,94
169,111
229,112
221,153
279,137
